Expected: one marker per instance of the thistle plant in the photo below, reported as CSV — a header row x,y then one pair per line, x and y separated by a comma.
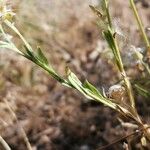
x,y
72,81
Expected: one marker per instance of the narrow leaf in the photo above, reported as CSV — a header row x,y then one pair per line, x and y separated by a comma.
x,y
76,83
9,24
29,54
96,11
41,56
110,40
92,88
142,91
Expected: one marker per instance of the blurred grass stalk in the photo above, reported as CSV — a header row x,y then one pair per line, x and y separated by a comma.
x,y
4,144
140,24
25,138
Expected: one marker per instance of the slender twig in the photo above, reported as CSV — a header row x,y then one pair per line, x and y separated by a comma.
x,y
4,144
120,139
140,24
26,140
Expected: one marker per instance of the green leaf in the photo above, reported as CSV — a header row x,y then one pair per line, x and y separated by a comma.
x,y
89,86
142,91
110,40
41,56
89,91
29,54
76,83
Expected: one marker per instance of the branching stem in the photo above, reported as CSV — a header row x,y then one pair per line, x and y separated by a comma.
x,y
119,62
124,76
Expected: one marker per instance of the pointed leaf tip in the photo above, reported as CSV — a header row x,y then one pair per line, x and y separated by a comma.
x,y
41,56
96,11
93,89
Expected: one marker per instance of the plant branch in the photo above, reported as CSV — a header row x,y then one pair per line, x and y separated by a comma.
x,y
112,42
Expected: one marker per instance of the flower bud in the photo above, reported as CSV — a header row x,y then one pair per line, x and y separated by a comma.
x,y
117,92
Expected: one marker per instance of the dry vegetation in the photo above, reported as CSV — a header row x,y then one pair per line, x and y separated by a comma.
x,y
54,117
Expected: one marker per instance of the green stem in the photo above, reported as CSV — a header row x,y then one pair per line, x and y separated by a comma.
x,y
140,24
124,76
129,89
119,59
146,67
107,12
121,67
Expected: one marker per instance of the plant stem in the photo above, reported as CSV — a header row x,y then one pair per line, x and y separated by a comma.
x,y
146,67
129,89
140,24
117,56
26,140
4,144
124,76
107,12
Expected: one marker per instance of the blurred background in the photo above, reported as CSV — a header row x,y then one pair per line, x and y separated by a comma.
x,y
54,117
